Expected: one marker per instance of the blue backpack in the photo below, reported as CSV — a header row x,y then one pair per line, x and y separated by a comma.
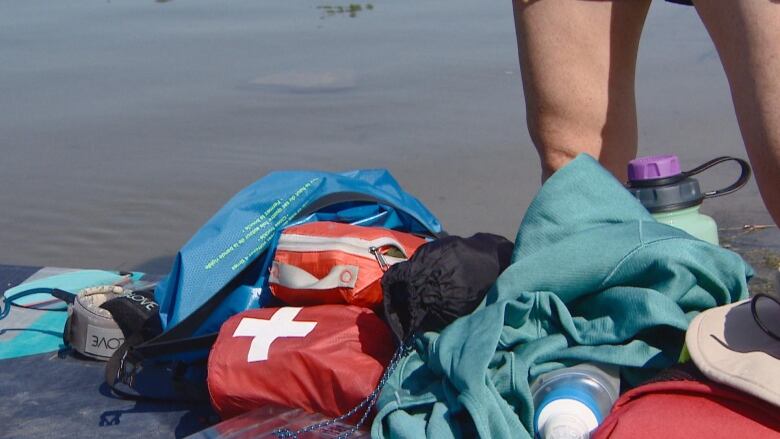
x,y
223,269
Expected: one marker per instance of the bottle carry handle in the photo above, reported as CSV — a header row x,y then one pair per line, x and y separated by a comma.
x,y
741,181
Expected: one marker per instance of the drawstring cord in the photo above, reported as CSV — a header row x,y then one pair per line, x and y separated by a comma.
x,y
757,318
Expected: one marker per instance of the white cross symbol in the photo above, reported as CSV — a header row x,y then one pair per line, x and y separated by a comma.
x,y
266,332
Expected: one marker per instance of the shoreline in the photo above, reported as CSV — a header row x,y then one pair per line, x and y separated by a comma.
x,y
759,246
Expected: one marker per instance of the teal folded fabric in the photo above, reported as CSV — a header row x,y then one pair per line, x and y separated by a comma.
x,y
594,278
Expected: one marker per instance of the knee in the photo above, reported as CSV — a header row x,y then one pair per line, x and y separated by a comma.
x,y
558,142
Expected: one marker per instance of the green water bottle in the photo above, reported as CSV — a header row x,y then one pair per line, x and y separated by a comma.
x,y
674,197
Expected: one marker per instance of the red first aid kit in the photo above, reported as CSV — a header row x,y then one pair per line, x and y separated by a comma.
x,y
324,359
327,262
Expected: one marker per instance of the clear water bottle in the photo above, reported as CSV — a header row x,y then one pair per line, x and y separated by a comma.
x,y
570,403
271,421
674,197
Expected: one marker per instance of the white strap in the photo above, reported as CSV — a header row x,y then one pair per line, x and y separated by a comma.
x,y
290,276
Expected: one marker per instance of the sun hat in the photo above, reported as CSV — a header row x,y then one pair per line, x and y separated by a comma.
x,y
739,345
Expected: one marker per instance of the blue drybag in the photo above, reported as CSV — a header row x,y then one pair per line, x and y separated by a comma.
x,y
223,268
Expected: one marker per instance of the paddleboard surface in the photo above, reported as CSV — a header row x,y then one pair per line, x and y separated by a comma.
x,y
59,394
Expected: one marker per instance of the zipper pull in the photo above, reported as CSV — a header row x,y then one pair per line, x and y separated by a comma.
x,y
379,258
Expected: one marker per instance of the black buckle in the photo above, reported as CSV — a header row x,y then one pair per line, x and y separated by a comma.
x,y
129,366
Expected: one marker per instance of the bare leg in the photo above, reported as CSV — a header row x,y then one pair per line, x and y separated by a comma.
x,y
578,63
747,36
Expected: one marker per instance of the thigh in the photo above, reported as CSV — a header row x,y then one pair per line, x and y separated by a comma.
x,y
746,34
578,63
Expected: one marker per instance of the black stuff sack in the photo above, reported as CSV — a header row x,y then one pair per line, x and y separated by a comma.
x,y
445,279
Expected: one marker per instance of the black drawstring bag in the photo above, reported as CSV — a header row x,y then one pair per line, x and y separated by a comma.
x,y
444,279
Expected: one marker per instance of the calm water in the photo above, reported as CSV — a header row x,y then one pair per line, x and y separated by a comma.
x,y
126,124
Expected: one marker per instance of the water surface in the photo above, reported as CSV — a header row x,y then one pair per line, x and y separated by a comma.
x,y
127,124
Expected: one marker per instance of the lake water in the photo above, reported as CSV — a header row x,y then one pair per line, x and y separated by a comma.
x,y
126,124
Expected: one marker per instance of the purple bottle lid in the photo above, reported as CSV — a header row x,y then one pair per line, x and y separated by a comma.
x,y
653,167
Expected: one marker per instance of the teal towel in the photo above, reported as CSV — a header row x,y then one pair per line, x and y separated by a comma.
x,y
594,278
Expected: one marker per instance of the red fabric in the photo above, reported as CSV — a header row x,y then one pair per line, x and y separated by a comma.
x,y
689,410
328,370
367,291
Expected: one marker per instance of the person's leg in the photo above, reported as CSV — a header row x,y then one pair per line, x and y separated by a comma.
x,y
578,62
747,36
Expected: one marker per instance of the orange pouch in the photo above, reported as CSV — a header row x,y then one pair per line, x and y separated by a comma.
x,y
327,262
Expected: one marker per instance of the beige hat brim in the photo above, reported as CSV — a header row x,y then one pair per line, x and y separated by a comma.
x,y
728,347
